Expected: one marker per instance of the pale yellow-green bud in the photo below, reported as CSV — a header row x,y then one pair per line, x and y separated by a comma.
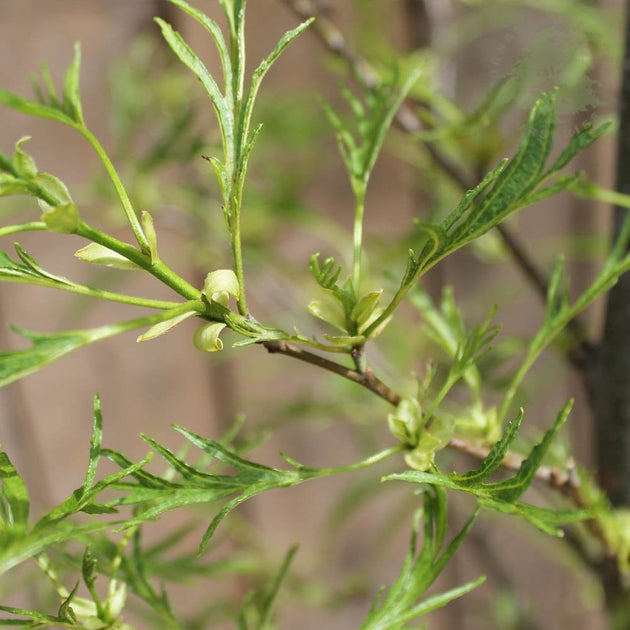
x,y
220,284
63,218
149,231
406,422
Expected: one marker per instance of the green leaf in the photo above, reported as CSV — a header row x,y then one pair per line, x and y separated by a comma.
x,y
521,175
34,109
63,218
47,348
68,112
261,604
10,185
511,489
192,61
585,136
420,570
23,163
206,337
364,309
13,494
215,32
149,231
494,459
71,93
372,123
201,487
257,78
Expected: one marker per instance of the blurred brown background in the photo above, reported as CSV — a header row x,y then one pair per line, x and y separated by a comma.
x,y
46,418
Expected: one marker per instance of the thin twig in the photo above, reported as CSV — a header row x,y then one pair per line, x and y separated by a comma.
x,y
366,379
565,481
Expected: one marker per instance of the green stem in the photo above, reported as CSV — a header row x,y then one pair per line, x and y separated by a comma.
x,y
365,463
31,226
117,297
158,269
120,189
403,290
237,252
358,238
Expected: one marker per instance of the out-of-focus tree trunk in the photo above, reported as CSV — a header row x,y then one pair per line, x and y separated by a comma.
x,y
612,387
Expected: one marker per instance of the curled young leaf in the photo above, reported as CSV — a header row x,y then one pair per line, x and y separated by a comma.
x,y
162,328
329,312
101,255
206,337
24,164
365,309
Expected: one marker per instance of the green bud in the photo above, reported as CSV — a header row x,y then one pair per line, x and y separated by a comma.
x,y
163,327
64,218
406,422
220,284
149,232
100,255
431,441
479,424
206,337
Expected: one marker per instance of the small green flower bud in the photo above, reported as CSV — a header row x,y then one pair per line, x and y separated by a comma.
x,y
63,218
149,232
432,440
220,284
406,422
206,337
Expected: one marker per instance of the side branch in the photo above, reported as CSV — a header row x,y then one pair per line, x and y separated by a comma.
x,y
407,121
567,482
366,379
